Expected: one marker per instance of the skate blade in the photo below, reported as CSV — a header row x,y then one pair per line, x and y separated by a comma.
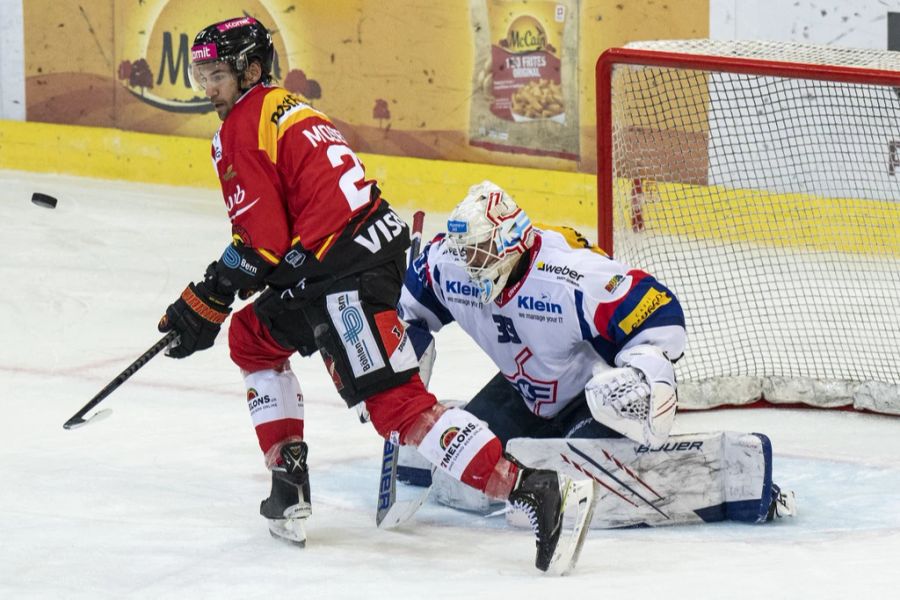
x,y
288,530
291,529
579,501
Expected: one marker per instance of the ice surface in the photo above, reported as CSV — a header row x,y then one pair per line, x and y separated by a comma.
x,y
161,499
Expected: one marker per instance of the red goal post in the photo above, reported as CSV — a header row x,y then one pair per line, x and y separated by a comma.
x,y
757,180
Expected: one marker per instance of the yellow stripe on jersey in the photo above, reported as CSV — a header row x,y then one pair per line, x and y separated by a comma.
x,y
572,237
272,258
324,246
281,110
237,240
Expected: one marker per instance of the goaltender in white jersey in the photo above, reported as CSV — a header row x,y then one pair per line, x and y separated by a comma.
x,y
585,347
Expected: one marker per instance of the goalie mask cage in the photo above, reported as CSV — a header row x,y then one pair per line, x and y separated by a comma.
x,y
761,182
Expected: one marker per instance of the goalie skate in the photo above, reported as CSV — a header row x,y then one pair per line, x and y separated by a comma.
x,y
546,499
784,504
288,504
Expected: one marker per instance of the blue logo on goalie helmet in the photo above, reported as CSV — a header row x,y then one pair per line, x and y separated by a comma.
x,y
454,226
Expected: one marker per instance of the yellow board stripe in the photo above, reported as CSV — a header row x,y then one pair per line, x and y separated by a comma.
x,y
802,221
435,186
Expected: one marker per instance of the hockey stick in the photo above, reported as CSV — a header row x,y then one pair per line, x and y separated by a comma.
x,y
389,512
78,420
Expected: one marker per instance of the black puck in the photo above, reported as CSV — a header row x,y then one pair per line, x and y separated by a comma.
x,y
43,200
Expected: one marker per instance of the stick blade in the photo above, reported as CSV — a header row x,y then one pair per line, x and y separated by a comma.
x,y
402,511
76,421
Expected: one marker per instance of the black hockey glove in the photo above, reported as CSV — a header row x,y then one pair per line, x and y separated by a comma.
x,y
197,316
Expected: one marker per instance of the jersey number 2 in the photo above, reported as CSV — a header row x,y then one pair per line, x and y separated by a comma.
x,y
355,196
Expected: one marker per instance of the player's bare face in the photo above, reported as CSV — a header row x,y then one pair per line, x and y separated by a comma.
x,y
220,85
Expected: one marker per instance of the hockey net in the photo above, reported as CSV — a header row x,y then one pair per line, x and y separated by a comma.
x,y
761,182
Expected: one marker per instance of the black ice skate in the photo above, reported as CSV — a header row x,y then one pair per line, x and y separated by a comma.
x,y
545,497
288,503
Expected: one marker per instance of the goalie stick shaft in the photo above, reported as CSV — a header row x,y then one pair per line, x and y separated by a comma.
x,y
388,512
78,419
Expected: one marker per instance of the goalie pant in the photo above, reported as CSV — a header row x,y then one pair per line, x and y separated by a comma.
x,y
692,478
455,441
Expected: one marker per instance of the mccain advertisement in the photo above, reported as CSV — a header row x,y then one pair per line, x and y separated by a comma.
x,y
505,82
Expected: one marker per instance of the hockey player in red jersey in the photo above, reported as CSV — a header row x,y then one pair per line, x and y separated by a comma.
x,y
312,232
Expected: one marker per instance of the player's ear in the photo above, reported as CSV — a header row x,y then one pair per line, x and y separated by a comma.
x,y
252,74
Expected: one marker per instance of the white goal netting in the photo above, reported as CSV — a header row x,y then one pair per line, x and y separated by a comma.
x,y
768,198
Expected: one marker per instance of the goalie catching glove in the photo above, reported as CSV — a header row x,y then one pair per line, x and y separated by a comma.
x,y
638,398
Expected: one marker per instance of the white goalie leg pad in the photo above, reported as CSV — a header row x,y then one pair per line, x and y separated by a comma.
x,y
692,478
454,441
455,494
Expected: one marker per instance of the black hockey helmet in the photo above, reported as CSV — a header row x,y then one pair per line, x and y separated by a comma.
x,y
236,42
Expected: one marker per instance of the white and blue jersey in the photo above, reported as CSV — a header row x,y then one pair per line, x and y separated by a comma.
x,y
574,309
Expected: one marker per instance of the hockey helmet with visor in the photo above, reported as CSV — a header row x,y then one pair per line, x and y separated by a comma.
x,y
235,43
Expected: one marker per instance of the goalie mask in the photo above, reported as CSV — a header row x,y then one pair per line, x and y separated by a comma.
x,y
489,233
235,42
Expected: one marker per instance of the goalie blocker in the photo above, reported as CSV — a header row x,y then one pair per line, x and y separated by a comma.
x,y
691,478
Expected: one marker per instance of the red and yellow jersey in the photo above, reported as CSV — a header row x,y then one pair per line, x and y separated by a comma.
x,y
287,174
